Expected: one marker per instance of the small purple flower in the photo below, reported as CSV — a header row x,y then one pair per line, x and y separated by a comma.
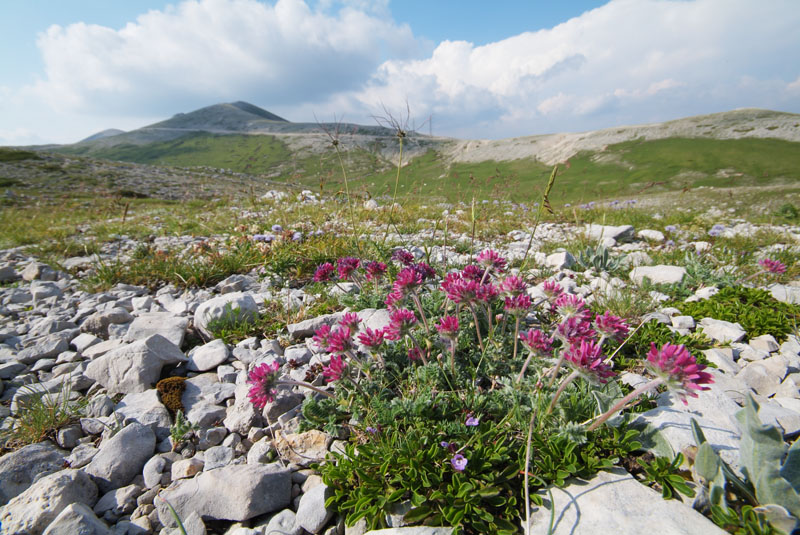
x,y
567,205
670,228
669,243
716,230
277,228
260,237
459,462
371,430
772,266
472,421
297,236
444,444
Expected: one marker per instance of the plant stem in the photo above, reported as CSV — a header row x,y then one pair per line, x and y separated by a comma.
x,y
624,401
554,372
516,339
292,382
527,470
477,326
418,303
571,377
347,191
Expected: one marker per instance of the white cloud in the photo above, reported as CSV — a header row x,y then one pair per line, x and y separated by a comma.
x,y
628,61
205,51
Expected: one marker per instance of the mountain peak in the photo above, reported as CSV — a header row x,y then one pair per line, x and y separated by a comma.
x,y
235,116
255,110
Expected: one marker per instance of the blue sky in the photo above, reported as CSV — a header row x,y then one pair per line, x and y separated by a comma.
x,y
478,69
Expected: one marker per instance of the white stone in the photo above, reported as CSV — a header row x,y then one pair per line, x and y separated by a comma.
x,y
614,502
134,367
721,331
620,233
236,492
208,356
231,308
312,515
33,510
560,260
173,328
122,457
765,342
660,274
683,322
651,235
721,361
77,519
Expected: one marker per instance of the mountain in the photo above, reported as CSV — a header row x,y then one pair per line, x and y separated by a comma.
x,y
110,132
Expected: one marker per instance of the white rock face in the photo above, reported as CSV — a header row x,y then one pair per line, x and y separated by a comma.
x,y
33,510
75,519
18,469
651,235
122,457
312,515
233,307
171,327
621,233
721,331
658,274
584,508
134,367
235,492
208,356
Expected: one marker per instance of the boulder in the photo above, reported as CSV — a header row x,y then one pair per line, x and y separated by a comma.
x,y
614,502
660,274
225,309
20,468
134,367
236,492
77,519
33,510
173,328
122,457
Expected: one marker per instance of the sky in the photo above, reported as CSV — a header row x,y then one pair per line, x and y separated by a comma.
x,y
465,68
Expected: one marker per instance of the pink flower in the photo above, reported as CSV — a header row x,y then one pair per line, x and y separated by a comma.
x,y
569,306
375,270
262,378
371,338
513,286
346,266
340,340
321,336
401,320
403,256
324,272
351,321
408,279
448,327
679,370
472,272
492,260
485,293
393,297
458,289
537,342
426,271
334,370
587,359
611,326
772,266
574,330
518,305
552,290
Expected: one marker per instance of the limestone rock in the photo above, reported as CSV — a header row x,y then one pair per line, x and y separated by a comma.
x,y
302,448
173,328
33,510
122,457
235,493
134,367
77,519
312,515
18,469
722,331
232,307
614,502
660,274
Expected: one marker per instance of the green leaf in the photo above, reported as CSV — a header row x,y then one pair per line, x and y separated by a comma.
x,y
771,488
761,447
417,514
791,466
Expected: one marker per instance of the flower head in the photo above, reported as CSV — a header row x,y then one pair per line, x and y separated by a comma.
x,y
485,293
340,340
611,326
574,329
334,370
346,266
472,272
459,462
400,321
492,260
371,338
262,380
472,421
321,336
448,327
414,354
716,230
670,228
375,270
772,266
569,306
324,272
351,321
425,271
407,280
537,342
277,228
518,305
679,370
459,289
513,286
552,290
403,256
587,358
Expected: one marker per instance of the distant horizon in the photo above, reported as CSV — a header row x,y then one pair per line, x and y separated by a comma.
x,y
487,72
